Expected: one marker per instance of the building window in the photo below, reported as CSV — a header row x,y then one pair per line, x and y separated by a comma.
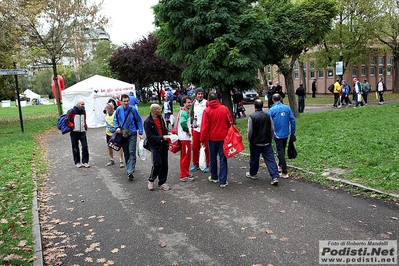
x,y
312,74
296,75
330,73
381,61
354,72
364,61
389,70
296,65
372,71
363,71
321,73
380,71
372,60
389,61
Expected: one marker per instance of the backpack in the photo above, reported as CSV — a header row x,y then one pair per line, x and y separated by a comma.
x,y
62,123
350,89
331,88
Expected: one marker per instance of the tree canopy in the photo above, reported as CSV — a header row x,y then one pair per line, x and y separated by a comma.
x,y
220,42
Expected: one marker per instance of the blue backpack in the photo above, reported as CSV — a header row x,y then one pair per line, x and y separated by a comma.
x,y
62,123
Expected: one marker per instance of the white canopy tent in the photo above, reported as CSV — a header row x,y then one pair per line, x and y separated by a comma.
x,y
95,91
30,96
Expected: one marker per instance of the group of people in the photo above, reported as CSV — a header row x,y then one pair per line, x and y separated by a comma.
x,y
361,92
202,124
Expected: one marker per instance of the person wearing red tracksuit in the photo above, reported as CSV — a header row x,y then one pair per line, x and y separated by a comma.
x,y
184,134
197,109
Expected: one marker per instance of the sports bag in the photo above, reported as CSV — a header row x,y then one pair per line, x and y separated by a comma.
x,y
62,124
233,142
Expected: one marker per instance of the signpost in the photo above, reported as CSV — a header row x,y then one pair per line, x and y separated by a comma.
x,y
15,72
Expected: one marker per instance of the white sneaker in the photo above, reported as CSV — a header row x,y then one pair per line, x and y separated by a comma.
x,y
86,165
248,175
274,182
78,165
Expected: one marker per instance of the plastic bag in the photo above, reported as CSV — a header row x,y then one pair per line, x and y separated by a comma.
x,y
142,152
202,158
172,120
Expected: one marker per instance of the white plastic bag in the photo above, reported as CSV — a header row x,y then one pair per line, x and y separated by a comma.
x,y
172,120
202,158
142,152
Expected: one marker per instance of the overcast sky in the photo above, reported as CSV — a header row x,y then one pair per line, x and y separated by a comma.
x,y
129,20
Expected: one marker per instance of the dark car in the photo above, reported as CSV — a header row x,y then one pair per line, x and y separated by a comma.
x,y
250,96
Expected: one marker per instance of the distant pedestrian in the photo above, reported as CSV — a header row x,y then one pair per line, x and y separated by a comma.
x,y
357,88
157,137
279,89
300,91
171,97
216,120
270,92
77,122
336,91
366,89
284,125
345,90
314,88
130,129
133,100
260,136
109,131
167,109
184,134
380,89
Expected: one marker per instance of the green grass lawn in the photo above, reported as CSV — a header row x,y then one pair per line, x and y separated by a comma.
x,y
364,141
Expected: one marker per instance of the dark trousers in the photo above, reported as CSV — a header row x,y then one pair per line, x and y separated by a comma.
x,y
281,145
75,138
301,105
313,94
345,98
159,165
336,99
268,156
381,94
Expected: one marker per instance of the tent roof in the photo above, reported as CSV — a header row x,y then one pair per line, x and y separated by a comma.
x,y
30,94
100,86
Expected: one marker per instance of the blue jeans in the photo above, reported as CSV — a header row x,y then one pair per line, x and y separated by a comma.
x,y
75,138
129,151
268,157
215,148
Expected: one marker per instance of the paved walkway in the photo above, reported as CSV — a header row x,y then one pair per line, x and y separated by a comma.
x,y
96,216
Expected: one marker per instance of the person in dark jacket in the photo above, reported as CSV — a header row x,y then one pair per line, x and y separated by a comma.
x,y
260,136
300,91
77,122
157,137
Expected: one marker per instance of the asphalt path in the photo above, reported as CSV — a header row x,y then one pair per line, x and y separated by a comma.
x,y
96,216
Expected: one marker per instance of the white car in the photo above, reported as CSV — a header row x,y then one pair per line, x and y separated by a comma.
x,y
250,96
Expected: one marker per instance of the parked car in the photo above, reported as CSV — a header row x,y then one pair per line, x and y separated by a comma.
x,y
250,96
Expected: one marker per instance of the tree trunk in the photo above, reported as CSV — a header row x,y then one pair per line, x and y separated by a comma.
x,y
395,88
289,83
226,100
57,88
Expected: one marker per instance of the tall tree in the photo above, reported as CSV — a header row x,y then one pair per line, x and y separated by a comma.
x,y
138,63
387,27
298,26
61,29
220,42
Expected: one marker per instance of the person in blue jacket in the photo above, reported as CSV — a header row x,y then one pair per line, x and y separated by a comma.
x,y
284,126
129,129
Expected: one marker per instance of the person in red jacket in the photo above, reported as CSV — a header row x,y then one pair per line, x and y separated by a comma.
x,y
77,122
216,120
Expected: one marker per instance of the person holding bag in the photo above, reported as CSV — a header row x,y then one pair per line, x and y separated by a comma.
x,y
128,122
215,124
157,136
109,131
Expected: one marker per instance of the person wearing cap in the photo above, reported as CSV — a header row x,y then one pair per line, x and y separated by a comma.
x,y
196,111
